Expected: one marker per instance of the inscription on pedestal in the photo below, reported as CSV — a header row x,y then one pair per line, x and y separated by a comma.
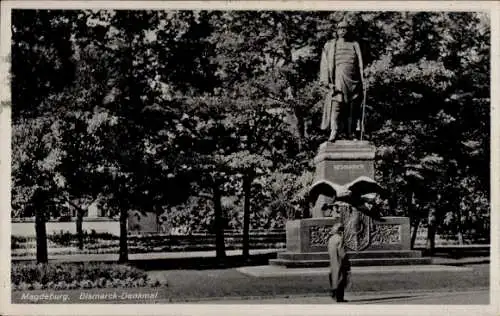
x,y
349,167
342,172
386,234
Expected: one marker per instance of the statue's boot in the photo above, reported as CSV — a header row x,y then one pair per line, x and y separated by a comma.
x,y
333,121
333,135
357,131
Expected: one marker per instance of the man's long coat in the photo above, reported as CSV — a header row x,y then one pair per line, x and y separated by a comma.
x,y
339,263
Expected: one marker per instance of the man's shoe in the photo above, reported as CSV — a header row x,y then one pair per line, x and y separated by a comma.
x,y
333,294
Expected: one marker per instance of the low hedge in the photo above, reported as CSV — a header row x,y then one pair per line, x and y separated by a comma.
x,y
105,243
56,276
65,238
138,250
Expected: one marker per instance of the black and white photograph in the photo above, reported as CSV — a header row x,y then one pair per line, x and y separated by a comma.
x,y
188,156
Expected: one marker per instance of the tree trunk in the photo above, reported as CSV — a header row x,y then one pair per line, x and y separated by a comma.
x,y
158,226
41,236
220,247
431,240
301,126
431,233
460,234
123,236
247,181
79,227
415,232
414,217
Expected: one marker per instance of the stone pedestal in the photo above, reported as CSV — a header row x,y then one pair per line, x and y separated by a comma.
x,y
342,162
386,241
311,235
306,244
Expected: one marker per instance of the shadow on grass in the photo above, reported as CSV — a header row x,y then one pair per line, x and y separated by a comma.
x,y
378,299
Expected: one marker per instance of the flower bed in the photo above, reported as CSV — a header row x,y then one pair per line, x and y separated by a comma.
x,y
64,251
32,276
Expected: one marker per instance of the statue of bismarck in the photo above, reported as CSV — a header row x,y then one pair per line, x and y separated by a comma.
x,y
341,74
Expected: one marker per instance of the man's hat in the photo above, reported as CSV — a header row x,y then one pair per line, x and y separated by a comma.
x,y
328,203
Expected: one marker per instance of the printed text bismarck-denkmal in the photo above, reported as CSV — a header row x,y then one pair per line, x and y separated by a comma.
x,y
117,296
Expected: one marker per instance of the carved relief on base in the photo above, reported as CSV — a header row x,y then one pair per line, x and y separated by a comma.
x,y
386,234
319,235
360,230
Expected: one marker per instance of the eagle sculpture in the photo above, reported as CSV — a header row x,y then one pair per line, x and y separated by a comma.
x,y
362,189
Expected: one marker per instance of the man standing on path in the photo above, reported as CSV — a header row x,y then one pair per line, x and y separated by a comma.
x,y
341,73
340,266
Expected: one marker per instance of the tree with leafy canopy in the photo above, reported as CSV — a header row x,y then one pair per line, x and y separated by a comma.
x,y
248,59
41,66
135,50
34,185
437,122
200,101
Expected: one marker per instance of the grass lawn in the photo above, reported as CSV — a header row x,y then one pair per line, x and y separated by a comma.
x,y
187,285
193,285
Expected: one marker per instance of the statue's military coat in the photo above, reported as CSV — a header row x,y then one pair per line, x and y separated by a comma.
x,y
327,75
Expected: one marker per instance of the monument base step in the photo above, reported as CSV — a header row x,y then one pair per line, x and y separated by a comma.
x,y
367,254
354,262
